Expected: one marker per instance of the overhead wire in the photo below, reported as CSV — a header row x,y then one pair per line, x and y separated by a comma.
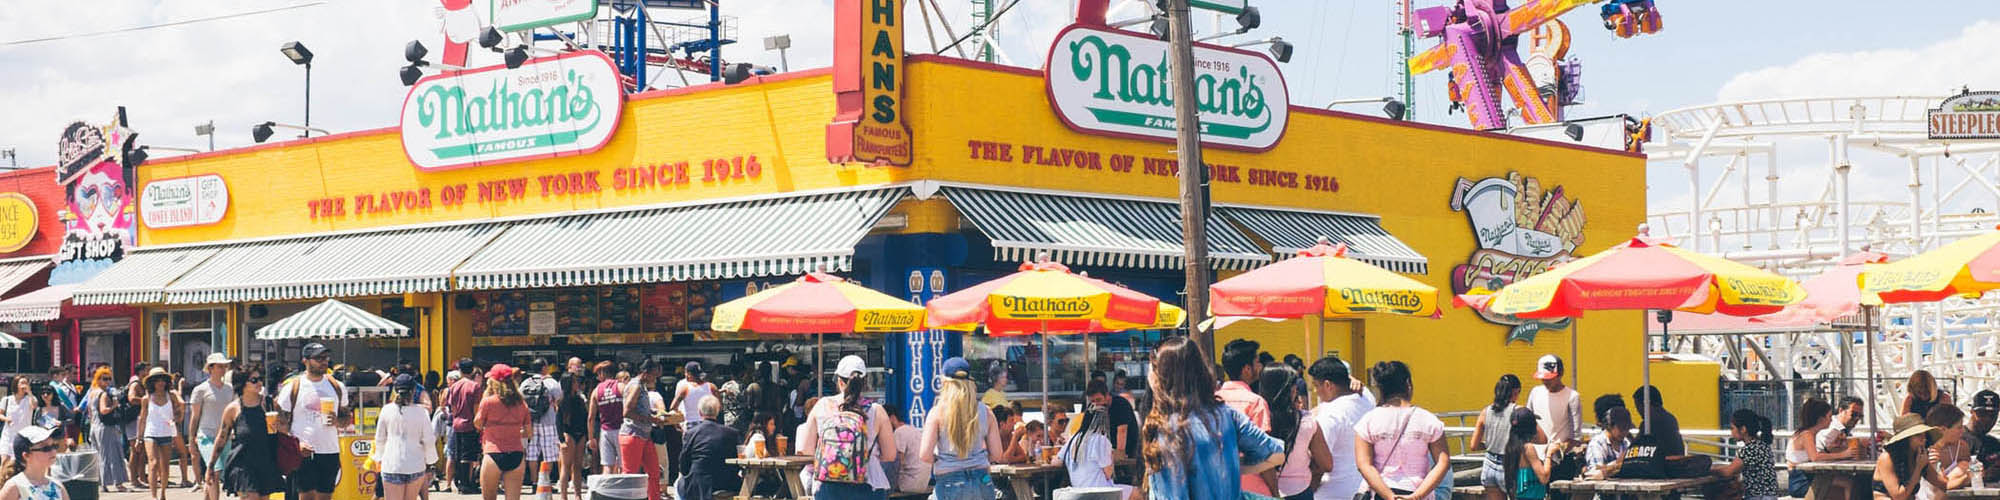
x,y
130,29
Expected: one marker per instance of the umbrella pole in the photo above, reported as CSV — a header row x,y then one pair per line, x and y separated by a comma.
x,y
819,362
1575,330
1646,374
1045,375
1868,329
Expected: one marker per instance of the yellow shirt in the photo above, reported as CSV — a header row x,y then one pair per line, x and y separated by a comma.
x,y
994,397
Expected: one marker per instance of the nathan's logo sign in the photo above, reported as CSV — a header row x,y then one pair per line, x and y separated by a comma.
x,y
1971,115
185,201
1117,83
18,221
868,125
562,105
1522,229
1038,307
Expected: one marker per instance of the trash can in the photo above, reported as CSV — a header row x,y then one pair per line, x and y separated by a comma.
x,y
1076,493
78,473
618,487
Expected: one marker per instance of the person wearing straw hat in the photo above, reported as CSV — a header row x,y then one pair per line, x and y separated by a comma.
x,y
1904,461
205,408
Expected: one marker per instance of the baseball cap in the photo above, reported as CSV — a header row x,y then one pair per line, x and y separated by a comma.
x,y
850,366
312,350
404,383
31,436
1986,401
1549,367
693,368
216,358
957,368
501,371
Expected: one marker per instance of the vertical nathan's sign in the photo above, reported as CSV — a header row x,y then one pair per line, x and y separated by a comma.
x,y
1116,83
552,106
868,124
1971,115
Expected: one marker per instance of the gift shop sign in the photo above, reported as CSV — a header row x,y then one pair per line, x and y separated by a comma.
x,y
1971,115
18,221
552,106
186,201
516,15
1117,83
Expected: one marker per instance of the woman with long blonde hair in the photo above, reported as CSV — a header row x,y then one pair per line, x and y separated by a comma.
x,y
502,420
1923,394
959,437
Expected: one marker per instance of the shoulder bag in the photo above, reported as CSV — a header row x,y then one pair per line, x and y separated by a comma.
x,y
1369,494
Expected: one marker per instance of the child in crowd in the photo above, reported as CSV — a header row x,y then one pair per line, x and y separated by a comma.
x,y
1607,451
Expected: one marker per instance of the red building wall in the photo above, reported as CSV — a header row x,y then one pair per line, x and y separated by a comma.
x,y
39,185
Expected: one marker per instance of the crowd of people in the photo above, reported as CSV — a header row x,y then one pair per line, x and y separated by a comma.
x,y
1248,425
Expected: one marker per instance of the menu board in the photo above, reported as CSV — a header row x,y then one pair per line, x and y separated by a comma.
x,y
664,307
500,314
618,309
702,297
575,310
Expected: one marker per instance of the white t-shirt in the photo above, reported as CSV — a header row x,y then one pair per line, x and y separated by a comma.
x,y
1560,413
1336,424
1086,463
309,425
1831,436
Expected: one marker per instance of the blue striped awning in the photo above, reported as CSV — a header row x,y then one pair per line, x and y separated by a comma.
x,y
1093,230
351,264
141,277
1288,231
765,237
332,320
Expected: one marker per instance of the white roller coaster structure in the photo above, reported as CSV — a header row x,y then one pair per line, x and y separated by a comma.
x,y
1717,148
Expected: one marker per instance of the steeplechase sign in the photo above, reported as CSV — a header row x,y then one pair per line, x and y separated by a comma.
x,y
1117,83
552,106
1971,115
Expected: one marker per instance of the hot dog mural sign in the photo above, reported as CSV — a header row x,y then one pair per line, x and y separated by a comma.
x,y
1522,228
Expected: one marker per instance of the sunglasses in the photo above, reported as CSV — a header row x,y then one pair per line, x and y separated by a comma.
x,y
50,448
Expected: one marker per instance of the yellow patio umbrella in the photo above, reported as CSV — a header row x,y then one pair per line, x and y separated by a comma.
x,y
1964,268
818,303
1321,282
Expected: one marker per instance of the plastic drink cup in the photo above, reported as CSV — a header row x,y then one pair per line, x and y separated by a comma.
x,y
326,410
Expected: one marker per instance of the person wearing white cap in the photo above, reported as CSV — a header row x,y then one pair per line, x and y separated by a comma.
x,y
1558,407
34,450
849,438
205,408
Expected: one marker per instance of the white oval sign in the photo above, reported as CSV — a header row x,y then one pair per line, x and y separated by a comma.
x,y
1116,83
185,201
561,105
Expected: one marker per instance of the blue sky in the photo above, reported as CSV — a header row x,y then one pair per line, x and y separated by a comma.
x,y
229,70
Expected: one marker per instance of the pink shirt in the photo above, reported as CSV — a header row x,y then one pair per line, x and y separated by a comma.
x,y
1402,459
1238,395
505,426
1296,474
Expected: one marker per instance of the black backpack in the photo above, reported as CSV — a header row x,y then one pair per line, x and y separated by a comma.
x,y
535,392
122,410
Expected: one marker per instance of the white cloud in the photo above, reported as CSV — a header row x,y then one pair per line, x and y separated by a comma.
x,y
1937,69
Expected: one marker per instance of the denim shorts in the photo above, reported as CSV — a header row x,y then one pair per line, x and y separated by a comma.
x,y
1491,474
394,478
962,484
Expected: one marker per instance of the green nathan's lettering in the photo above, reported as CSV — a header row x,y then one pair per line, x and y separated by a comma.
x,y
452,111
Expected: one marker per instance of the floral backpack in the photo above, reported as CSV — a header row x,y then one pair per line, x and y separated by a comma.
x,y
843,447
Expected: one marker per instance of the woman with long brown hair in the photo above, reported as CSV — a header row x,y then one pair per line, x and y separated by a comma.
x,y
161,416
1195,445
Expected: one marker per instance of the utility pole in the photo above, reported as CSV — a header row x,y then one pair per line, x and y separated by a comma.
x,y
1193,173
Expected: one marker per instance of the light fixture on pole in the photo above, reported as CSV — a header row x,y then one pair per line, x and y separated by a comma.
x,y
1280,49
207,129
299,55
1390,106
780,43
262,131
13,162
1574,131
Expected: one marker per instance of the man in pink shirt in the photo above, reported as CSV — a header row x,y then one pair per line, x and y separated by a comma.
x,y
1239,363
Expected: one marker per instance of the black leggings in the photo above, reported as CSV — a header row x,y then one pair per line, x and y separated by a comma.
x,y
507,461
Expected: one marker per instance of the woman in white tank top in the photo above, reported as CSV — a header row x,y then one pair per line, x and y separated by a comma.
x,y
159,415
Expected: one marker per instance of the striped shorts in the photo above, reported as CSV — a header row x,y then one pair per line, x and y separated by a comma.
x,y
543,444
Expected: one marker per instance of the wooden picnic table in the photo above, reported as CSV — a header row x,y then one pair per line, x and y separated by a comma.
x,y
1987,492
1862,473
1022,478
1643,488
786,467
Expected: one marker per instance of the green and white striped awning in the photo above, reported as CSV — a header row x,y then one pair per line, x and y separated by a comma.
x,y
765,237
351,264
1093,230
332,320
1288,231
141,277
39,305
11,342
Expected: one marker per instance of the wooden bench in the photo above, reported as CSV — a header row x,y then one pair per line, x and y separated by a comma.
x,y
1642,488
1468,492
909,495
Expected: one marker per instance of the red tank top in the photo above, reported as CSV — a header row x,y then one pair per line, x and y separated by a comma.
x,y
610,405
